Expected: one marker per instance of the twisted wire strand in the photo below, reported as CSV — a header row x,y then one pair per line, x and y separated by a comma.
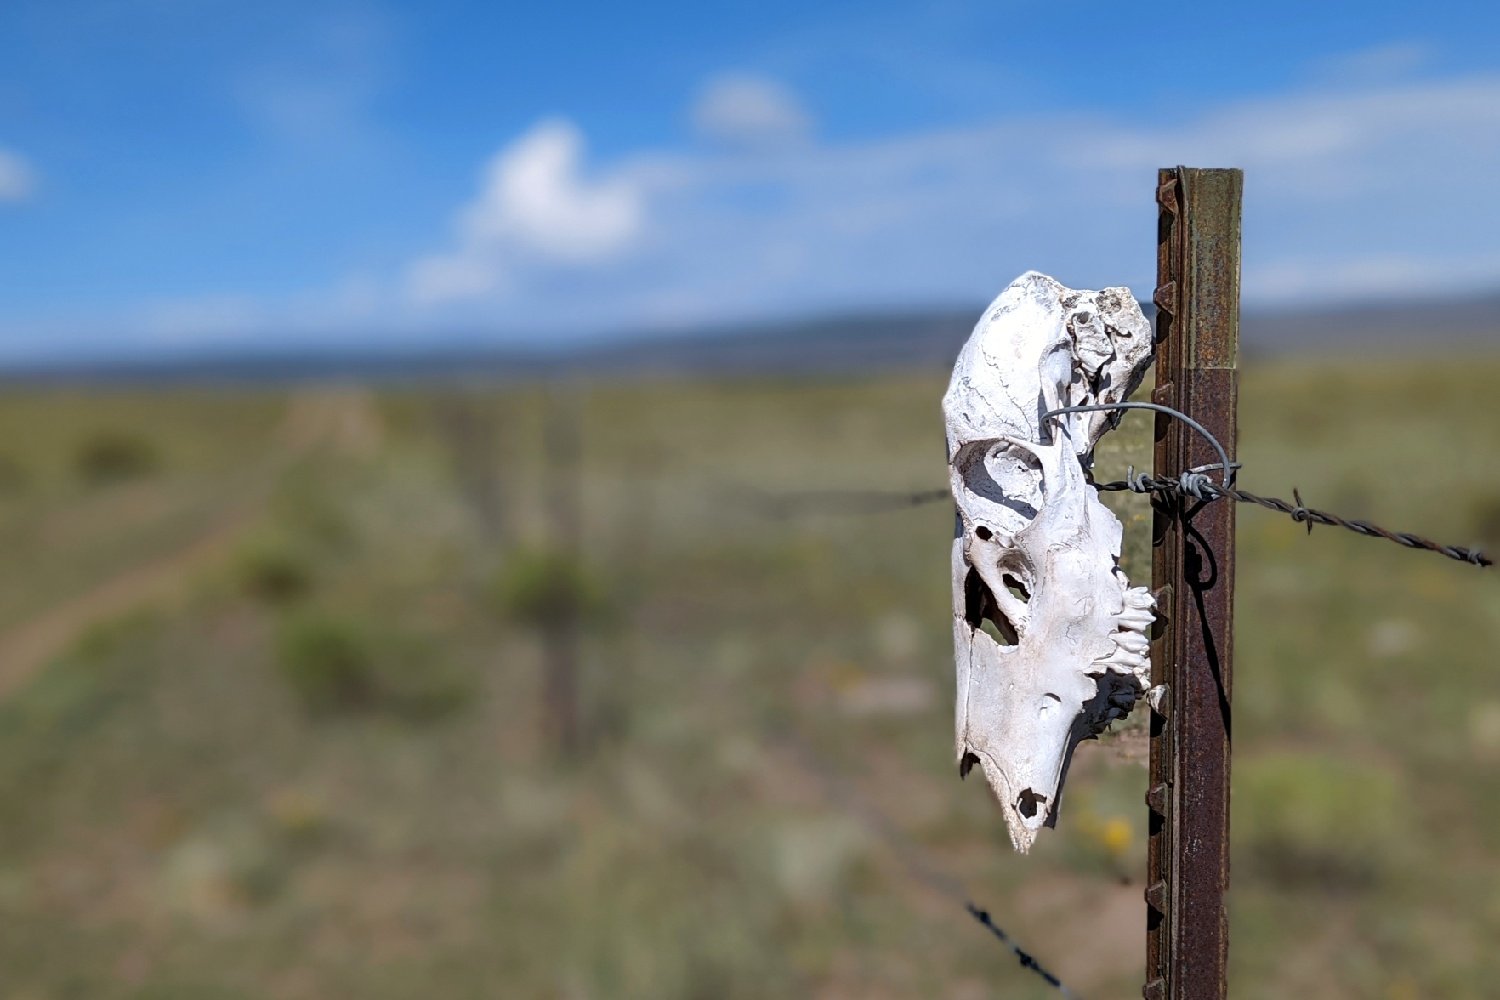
x,y
786,505
1200,487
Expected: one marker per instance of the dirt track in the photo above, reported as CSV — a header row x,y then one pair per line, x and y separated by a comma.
x,y
343,420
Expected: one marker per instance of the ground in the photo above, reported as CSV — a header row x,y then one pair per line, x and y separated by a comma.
x,y
274,720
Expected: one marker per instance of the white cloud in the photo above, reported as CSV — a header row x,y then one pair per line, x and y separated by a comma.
x,y
535,207
306,109
201,318
535,198
1393,276
1296,131
454,277
1377,63
750,111
17,179
315,89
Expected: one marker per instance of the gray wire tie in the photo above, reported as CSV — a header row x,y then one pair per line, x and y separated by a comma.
x,y
1193,483
1224,462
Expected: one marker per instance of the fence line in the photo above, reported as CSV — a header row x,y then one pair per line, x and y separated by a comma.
x,y
1195,484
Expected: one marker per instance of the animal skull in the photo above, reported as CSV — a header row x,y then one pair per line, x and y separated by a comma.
x,y
1035,557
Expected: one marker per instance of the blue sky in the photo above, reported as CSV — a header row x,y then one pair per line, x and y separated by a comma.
x,y
197,174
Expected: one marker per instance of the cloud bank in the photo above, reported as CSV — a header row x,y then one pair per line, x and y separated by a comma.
x,y
17,180
1353,191
1343,201
750,111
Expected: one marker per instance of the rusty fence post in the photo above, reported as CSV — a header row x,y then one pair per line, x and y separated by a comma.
x,y
1192,572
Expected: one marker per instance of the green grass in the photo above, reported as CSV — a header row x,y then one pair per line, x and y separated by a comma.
x,y
94,484
766,706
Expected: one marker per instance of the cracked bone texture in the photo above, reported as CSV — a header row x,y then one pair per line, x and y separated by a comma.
x,y
1050,639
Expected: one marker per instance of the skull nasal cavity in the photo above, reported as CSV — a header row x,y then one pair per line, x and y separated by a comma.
x,y
981,611
1028,801
1016,587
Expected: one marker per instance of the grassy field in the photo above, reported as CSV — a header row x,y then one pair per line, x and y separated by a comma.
x,y
273,701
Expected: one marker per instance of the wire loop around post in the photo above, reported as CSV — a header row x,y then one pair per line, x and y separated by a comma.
x,y
1224,461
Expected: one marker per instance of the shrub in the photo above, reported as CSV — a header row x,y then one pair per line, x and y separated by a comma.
x,y
112,456
544,587
339,664
274,571
328,661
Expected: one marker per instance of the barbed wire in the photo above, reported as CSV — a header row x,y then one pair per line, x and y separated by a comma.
x,y
1194,483
1027,962
781,505
1197,484
919,866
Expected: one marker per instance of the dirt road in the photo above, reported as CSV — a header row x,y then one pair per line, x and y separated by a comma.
x,y
343,420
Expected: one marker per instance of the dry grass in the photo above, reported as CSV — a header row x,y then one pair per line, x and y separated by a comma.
x,y
178,823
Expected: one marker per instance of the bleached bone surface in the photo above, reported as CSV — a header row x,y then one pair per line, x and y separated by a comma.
x,y
1049,636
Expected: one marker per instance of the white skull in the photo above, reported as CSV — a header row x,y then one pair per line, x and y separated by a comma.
x,y
1036,554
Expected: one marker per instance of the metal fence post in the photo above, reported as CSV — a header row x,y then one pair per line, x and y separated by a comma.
x,y
1192,571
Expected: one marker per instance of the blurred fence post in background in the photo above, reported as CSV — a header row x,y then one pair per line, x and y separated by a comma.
x,y
1197,333
559,630
472,435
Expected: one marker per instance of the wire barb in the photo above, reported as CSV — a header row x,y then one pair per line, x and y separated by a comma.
x,y
1299,512
1027,961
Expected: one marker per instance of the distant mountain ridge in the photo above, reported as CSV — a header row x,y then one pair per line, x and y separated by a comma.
x,y
915,339
1467,322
